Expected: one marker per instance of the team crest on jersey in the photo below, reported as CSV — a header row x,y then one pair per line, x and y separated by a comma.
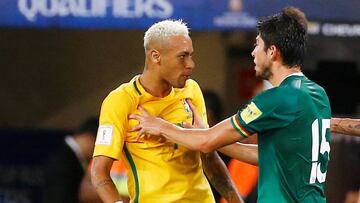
x,y
187,108
250,113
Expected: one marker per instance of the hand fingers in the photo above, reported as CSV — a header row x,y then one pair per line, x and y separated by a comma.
x,y
135,116
161,139
138,138
140,134
136,128
196,115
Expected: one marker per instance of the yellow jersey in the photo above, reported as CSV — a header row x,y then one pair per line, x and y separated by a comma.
x,y
158,170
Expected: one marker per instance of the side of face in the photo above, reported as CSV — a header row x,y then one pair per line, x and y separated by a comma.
x,y
262,59
176,62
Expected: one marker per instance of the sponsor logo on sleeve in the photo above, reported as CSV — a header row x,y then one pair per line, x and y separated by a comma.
x,y
104,135
250,113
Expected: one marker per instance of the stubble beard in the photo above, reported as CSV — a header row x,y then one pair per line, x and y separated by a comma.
x,y
265,74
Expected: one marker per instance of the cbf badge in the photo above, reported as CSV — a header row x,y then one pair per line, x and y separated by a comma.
x,y
187,108
250,113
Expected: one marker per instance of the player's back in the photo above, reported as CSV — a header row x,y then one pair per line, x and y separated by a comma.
x,y
293,156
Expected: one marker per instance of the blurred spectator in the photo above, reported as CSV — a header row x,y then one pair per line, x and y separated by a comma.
x,y
214,111
214,108
245,176
353,195
68,165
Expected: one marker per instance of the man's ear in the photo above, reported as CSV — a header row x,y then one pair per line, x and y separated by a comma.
x,y
155,56
274,52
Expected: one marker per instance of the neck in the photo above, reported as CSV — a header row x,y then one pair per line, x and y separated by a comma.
x,y
281,72
154,84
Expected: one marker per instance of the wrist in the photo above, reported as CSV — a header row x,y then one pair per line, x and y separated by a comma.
x,y
163,128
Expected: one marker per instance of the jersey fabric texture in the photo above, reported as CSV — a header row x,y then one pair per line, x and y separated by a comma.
x,y
158,170
292,122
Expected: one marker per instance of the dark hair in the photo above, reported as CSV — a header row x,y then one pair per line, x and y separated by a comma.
x,y
90,125
288,32
213,102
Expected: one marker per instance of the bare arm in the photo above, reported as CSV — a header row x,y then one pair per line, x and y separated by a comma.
x,y
204,140
218,175
213,166
100,177
345,126
247,153
87,191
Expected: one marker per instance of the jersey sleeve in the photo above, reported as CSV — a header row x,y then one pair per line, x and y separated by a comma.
x,y
274,108
112,124
199,103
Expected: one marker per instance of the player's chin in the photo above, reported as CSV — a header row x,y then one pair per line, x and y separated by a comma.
x,y
180,84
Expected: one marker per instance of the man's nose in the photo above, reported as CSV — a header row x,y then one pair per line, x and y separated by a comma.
x,y
190,64
253,53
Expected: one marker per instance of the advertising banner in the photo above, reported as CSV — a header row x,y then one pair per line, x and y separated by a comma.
x,y
201,15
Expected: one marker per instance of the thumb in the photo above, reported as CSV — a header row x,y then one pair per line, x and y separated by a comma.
x,y
196,115
187,125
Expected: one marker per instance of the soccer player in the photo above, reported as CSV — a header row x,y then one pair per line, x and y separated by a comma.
x,y
292,119
158,170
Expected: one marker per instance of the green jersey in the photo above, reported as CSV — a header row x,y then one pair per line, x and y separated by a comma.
x,y
293,126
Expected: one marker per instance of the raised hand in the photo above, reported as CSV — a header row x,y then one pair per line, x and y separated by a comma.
x,y
197,120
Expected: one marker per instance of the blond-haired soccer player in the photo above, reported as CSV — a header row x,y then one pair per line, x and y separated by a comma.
x,y
158,170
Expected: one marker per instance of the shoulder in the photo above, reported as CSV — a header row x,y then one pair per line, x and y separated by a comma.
x,y
282,96
193,90
125,94
275,94
190,90
190,83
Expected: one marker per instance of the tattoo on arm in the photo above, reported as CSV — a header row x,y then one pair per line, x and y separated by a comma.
x,y
348,125
356,126
102,183
217,173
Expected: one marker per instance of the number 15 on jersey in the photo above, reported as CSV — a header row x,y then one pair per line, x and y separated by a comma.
x,y
316,173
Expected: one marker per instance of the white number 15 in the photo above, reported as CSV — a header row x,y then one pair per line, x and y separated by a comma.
x,y
316,173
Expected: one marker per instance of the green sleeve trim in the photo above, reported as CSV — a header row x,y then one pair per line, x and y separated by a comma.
x,y
236,128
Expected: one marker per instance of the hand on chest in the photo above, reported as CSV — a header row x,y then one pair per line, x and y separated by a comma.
x,y
175,111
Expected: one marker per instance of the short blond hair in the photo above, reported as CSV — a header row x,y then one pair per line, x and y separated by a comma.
x,y
164,29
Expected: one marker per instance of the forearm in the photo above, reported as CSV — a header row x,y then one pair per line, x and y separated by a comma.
x,y
247,153
345,126
192,139
105,188
204,140
218,175
87,192
101,180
